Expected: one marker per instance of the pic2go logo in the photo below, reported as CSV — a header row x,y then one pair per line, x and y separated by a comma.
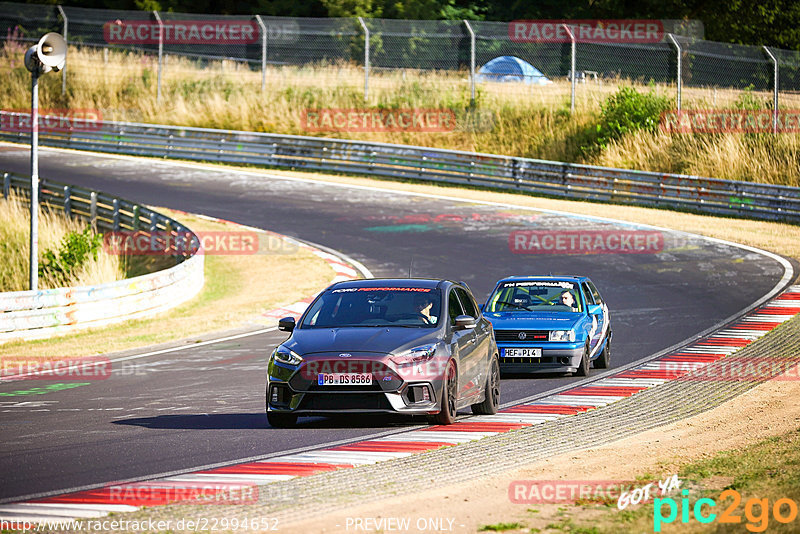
x,y
756,511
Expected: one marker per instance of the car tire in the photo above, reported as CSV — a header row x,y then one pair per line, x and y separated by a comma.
x,y
583,368
604,360
447,415
281,420
491,402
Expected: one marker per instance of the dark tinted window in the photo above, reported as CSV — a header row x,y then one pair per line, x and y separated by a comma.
x,y
467,303
596,294
375,306
454,307
588,293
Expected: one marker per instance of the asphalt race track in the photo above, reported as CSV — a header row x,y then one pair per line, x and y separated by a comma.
x,y
205,404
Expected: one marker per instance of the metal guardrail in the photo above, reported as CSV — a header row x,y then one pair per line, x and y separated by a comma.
x,y
566,180
47,312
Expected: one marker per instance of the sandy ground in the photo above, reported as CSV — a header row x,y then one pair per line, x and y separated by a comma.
x,y
768,410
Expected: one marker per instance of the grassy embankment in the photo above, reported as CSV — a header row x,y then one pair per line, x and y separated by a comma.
x,y
54,231
528,121
237,289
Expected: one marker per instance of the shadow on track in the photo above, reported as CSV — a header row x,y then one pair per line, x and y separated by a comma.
x,y
258,421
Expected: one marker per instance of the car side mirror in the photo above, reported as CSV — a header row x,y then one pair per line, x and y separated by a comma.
x,y
464,322
595,309
286,324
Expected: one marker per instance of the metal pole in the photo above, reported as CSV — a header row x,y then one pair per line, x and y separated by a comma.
x,y
775,90
571,68
680,69
263,52
160,52
471,63
64,70
366,58
34,245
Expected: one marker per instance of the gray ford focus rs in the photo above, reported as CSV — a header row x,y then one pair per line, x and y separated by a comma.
x,y
408,346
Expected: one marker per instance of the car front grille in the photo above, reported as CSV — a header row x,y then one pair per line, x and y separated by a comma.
x,y
344,401
527,359
514,335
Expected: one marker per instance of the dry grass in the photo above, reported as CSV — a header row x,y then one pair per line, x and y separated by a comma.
x,y
529,120
761,158
53,227
238,288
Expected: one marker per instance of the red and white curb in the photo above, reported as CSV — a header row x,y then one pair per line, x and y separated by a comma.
x,y
223,480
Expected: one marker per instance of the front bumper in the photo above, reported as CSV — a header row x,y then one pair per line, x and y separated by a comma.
x,y
291,390
556,358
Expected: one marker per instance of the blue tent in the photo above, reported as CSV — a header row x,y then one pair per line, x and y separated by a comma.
x,y
511,69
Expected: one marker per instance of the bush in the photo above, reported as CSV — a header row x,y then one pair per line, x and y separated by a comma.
x,y
628,111
75,249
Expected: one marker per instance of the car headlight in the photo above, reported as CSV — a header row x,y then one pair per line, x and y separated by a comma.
x,y
561,335
416,355
284,355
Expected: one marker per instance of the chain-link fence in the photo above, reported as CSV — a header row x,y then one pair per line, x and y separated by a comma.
x,y
568,66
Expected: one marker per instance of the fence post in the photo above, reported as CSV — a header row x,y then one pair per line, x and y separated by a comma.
x,y
115,214
263,52
680,69
471,63
6,184
68,200
160,52
366,58
93,210
775,91
571,68
64,34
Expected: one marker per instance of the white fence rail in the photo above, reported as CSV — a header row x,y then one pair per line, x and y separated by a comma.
x,y
48,312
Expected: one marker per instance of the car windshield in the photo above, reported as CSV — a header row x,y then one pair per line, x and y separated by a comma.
x,y
411,307
551,296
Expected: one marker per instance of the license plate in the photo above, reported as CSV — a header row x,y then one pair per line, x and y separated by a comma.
x,y
344,379
523,353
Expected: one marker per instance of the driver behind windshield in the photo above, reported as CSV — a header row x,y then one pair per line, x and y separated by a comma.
x,y
568,300
423,304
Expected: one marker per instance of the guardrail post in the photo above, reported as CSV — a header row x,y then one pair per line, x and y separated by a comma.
x,y
571,68
135,217
366,58
263,52
774,61
115,216
160,52
66,51
679,78
6,184
68,200
93,210
471,63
